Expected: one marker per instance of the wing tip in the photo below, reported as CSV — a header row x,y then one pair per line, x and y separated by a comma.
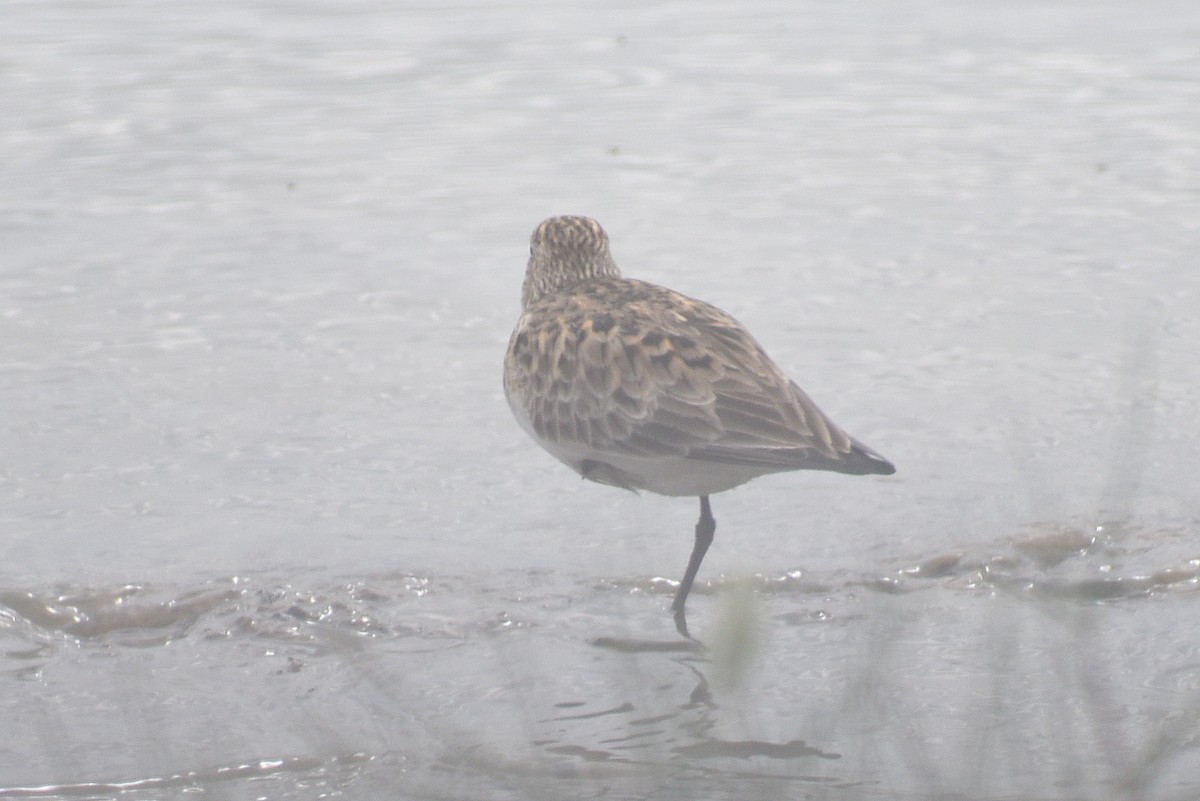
x,y
862,461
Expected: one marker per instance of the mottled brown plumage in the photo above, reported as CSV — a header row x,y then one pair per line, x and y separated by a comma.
x,y
635,385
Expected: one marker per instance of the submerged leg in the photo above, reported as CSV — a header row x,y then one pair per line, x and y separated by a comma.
x,y
705,527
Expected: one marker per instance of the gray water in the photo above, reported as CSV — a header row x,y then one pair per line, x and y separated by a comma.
x,y
268,530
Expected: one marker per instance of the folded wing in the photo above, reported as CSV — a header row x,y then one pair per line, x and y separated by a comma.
x,y
635,369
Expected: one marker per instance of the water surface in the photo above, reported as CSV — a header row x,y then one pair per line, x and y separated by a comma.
x,y
269,529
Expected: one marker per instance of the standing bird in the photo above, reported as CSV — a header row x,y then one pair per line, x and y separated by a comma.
x,y
637,386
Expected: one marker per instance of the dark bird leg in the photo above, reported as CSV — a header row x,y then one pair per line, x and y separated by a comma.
x,y
705,527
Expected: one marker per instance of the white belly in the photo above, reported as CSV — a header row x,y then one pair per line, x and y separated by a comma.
x,y
664,476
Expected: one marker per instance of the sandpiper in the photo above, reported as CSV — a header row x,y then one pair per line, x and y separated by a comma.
x,y
634,385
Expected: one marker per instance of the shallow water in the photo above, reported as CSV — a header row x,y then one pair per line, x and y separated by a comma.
x,y
270,530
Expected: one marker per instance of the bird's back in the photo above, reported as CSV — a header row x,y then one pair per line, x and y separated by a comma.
x,y
636,385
